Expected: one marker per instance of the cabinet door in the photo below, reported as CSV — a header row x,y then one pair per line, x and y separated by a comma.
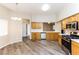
x,y
73,18
33,36
48,36
52,36
75,48
36,25
36,36
33,24
64,23
56,36
77,17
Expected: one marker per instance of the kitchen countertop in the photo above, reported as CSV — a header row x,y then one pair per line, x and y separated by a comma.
x,y
44,31
76,40
64,34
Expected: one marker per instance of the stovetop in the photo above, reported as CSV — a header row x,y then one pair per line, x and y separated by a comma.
x,y
68,37
74,37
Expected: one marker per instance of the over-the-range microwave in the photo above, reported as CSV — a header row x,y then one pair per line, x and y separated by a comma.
x,y
72,25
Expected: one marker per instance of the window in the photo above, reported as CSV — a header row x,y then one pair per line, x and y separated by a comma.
x,y
3,27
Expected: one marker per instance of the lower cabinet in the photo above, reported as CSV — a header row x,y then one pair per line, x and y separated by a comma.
x,y
75,48
52,36
36,36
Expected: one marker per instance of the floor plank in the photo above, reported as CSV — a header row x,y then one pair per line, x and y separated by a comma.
x,y
28,47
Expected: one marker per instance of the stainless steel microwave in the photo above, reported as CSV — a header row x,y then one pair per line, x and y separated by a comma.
x,y
72,25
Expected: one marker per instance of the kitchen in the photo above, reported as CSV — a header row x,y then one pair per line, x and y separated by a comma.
x,y
68,39
58,27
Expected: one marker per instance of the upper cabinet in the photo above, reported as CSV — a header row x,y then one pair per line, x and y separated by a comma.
x,y
48,26
73,18
36,25
77,17
43,25
64,22
69,20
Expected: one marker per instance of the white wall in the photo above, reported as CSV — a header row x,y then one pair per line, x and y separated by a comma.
x,y
4,14
15,27
44,18
15,31
57,27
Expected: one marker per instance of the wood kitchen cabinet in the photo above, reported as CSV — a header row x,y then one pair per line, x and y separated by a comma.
x,y
64,22
48,26
70,19
36,25
73,18
75,48
36,36
51,36
77,17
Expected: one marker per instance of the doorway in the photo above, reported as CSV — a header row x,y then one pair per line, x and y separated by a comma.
x,y
26,29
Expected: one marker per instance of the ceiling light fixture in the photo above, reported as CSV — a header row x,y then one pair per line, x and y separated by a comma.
x,y
45,7
16,17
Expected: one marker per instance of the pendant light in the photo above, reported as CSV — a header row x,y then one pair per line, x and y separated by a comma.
x,y
16,18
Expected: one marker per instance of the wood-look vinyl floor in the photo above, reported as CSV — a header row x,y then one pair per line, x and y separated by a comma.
x,y
28,47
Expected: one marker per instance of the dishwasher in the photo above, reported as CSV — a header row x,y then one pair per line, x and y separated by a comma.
x,y
43,36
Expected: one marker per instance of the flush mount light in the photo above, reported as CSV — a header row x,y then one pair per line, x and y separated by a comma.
x,y
45,7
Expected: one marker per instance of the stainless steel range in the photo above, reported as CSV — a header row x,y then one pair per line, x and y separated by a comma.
x,y
66,44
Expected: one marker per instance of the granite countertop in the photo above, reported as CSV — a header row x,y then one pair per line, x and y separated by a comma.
x,y
76,40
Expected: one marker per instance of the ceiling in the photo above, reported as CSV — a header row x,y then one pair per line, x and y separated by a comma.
x,y
35,8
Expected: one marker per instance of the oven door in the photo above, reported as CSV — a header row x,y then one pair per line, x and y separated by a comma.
x,y
66,45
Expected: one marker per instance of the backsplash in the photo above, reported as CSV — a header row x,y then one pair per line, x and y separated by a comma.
x,y
68,31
